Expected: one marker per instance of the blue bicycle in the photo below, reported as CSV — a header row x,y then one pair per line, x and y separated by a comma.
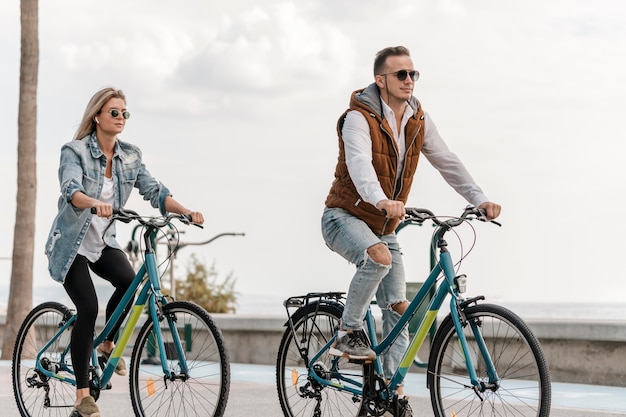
x,y
178,364
484,360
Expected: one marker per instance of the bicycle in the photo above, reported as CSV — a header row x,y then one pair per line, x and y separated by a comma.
x,y
484,359
178,363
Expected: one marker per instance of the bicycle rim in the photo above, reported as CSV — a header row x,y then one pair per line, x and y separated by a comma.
x,y
299,394
524,386
203,391
35,394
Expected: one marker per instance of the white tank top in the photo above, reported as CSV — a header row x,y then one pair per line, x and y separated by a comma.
x,y
92,245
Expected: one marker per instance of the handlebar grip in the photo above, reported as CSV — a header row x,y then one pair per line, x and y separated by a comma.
x,y
94,211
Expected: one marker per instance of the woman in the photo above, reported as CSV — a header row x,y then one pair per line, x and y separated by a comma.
x,y
97,170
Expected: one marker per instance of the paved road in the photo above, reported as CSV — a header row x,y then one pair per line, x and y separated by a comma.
x,y
253,394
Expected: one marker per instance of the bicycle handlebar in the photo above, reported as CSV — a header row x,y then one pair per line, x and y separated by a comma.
x,y
420,215
126,216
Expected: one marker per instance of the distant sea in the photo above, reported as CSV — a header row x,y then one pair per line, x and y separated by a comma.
x,y
272,305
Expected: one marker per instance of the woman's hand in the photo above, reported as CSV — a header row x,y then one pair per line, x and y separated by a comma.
x,y
81,201
196,217
103,209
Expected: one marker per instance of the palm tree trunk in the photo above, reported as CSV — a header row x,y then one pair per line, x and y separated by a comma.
x,y
21,287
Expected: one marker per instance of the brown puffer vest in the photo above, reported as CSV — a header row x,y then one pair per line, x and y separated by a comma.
x,y
343,193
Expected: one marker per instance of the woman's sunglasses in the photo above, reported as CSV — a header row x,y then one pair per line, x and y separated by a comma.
x,y
115,112
402,74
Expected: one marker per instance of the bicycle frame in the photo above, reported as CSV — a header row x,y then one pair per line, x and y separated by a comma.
x,y
448,286
148,286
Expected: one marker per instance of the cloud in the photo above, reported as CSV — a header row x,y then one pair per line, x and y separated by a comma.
x,y
266,52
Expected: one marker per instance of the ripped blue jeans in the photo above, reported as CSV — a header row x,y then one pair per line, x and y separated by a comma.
x,y
350,237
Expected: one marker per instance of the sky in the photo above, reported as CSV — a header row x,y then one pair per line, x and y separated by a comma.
x,y
235,106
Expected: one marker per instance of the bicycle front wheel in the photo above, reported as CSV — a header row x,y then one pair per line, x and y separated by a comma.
x,y
523,388
200,389
35,393
300,395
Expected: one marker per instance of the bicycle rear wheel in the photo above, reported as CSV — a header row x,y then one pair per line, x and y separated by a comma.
x,y
299,394
35,393
524,387
203,390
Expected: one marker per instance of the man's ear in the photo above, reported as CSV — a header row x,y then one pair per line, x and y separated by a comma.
x,y
380,81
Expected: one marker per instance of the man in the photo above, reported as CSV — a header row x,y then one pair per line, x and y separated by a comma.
x,y
381,137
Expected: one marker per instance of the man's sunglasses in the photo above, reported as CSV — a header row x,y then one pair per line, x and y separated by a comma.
x,y
115,112
402,74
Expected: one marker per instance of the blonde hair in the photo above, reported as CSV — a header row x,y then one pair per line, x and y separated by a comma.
x,y
94,107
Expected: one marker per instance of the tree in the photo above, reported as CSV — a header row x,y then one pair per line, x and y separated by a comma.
x,y
201,286
21,287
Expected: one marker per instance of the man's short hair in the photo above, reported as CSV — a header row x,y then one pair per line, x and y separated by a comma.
x,y
381,57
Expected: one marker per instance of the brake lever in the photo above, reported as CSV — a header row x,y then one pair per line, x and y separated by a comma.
x,y
186,219
484,219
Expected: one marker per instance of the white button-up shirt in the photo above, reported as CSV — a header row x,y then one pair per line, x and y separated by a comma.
x,y
358,149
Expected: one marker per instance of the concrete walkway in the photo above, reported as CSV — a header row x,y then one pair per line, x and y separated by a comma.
x,y
253,394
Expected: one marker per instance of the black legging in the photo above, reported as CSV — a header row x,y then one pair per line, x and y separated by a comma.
x,y
112,266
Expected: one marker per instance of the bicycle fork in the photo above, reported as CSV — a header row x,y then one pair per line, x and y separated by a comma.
x,y
460,321
171,321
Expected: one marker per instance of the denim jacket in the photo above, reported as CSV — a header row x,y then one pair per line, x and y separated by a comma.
x,y
82,168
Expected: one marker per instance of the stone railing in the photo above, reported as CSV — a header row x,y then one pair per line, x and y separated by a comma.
x,y
587,352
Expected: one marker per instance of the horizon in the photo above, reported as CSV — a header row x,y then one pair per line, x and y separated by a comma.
x,y
271,305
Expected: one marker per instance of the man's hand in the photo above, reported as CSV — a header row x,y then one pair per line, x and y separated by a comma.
x,y
492,209
393,209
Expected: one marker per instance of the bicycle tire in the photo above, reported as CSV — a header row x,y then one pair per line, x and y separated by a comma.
x,y
30,387
204,391
524,388
299,395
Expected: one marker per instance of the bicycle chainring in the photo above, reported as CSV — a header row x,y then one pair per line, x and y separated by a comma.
x,y
375,402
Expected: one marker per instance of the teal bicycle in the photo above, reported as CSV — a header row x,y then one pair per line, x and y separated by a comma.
x,y
178,365
483,361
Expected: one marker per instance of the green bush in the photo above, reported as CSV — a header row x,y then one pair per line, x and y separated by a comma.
x,y
202,286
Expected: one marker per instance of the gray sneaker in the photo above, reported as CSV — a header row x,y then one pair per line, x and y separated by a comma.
x,y
86,408
352,346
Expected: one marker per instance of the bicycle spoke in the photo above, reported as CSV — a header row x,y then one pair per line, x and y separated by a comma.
x,y
299,394
35,393
524,385
200,390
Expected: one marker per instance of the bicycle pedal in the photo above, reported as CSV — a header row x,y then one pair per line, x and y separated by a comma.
x,y
340,354
360,361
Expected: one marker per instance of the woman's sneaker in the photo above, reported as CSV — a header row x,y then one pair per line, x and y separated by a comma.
x,y
404,409
120,368
353,346
86,408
